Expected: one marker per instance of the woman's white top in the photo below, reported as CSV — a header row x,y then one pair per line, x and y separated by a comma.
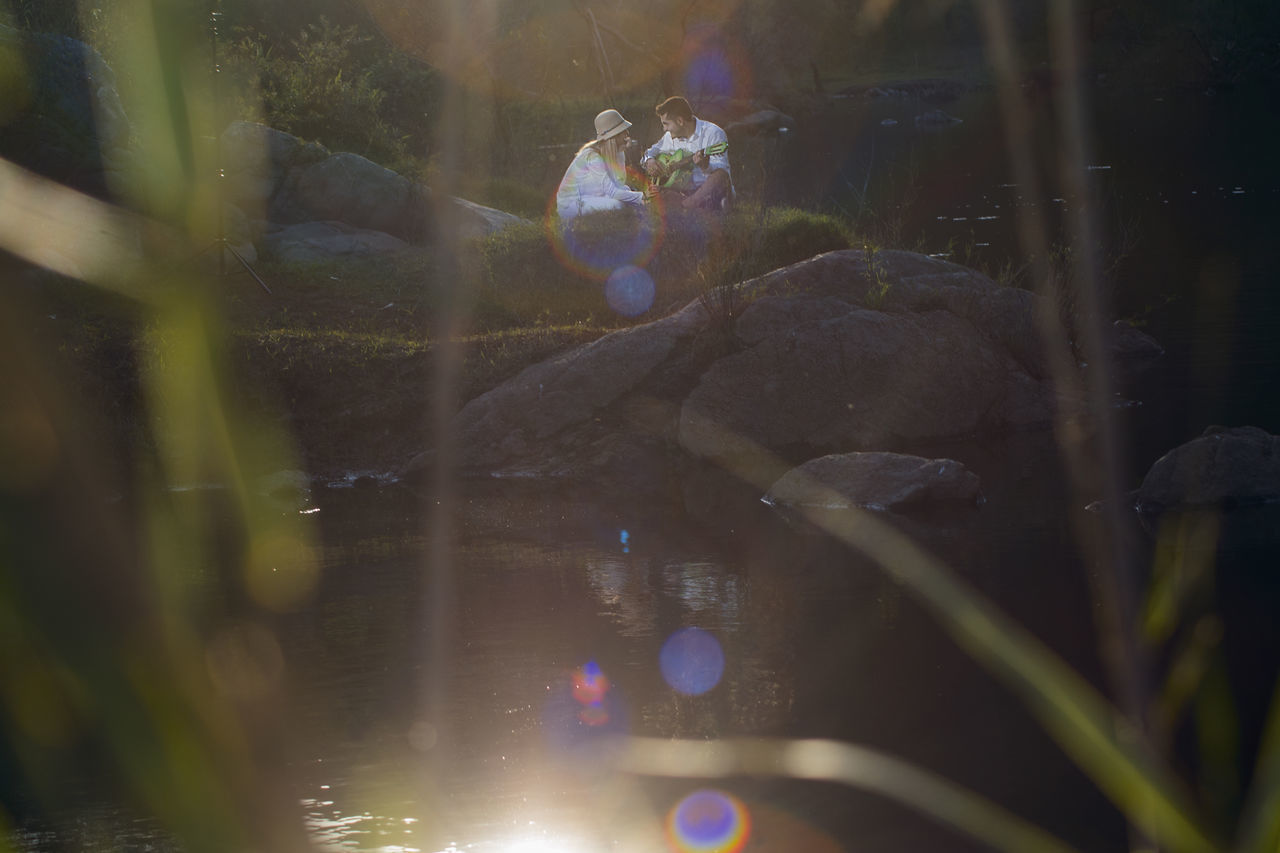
x,y
588,181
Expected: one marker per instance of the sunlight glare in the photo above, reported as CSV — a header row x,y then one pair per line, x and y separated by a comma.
x,y
546,844
64,230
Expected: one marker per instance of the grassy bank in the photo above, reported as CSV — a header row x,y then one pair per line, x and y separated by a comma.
x,y
345,355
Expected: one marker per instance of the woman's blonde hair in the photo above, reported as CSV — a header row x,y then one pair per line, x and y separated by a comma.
x,y
612,151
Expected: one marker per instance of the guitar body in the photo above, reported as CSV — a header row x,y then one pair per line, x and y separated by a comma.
x,y
678,166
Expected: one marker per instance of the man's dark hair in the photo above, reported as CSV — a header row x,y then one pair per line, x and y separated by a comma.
x,y
674,107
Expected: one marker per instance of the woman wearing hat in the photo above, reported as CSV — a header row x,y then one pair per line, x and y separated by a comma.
x,y
596,179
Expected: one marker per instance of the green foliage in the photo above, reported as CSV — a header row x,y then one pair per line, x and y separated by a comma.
x,y
878,285
324,86
764,239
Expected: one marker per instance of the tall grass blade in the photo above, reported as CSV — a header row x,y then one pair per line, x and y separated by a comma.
x,y
848,764
1090,729
1260,820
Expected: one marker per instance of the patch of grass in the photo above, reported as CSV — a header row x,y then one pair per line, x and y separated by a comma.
x,y
491,358
535,275
510,195
341,353
375,296
879,284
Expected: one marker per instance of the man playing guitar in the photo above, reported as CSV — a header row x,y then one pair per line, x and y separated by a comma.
x,y
710,185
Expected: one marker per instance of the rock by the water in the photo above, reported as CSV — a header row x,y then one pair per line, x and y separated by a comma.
x,y
947,353
935,119
1129,343
875,480
933,90
1222,467
761,121
835,354
509,428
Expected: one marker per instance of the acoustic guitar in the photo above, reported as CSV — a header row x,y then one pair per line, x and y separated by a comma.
x,y
677,167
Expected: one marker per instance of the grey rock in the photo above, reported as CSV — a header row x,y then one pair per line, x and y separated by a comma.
x,y
835,354
476,220
935,119
256,160
858,379
1128,343
935,90
352,189
275,175
1221,467
875,480
505,428
760,122
63,116
945,352
310,242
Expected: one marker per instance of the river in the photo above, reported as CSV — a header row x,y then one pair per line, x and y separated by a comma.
x,y
443,687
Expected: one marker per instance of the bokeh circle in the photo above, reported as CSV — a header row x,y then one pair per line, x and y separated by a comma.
x,y
691,661
629,291
708,821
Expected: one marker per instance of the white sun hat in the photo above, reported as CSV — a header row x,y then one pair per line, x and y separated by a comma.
x,y
609,124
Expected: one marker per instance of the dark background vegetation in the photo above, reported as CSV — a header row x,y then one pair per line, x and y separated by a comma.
x,y
369,77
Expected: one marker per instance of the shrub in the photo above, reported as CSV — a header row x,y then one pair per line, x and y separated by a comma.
x,y
317,88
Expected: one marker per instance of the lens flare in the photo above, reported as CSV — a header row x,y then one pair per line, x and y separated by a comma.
x,y
691,661
629,291
597,245
715,67
708,822
582,709
589,684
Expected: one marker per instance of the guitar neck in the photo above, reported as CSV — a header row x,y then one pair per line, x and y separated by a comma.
x,y
683,159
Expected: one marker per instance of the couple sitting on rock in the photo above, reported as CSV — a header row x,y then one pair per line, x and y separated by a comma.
x,y
689,163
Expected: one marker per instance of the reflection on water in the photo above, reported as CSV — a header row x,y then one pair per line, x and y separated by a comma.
x,y
566,636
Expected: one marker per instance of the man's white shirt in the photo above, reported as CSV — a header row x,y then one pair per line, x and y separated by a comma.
x,y
705,134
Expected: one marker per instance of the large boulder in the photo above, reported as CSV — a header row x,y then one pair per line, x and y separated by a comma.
x,y
829,375
886,481
877,355
277,178
256,162
836,354
509,428
352,189
1222,467
62,115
